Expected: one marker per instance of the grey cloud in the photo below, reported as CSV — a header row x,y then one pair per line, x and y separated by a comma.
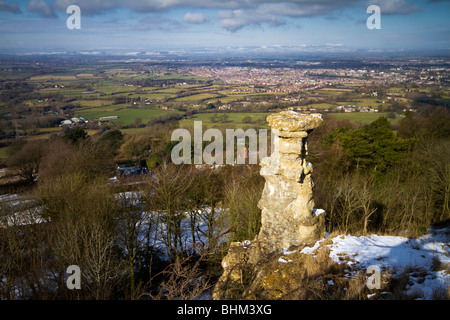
x,y
9,7
273,13
195,18
394,6
157,22
42,8
98,6
296,8
304,8
145,6
236,14
90,6
233,20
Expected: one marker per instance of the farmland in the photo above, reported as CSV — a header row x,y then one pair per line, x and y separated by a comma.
x,y
364,118
117,93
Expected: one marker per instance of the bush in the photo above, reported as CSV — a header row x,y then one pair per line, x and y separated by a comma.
x,y
76,135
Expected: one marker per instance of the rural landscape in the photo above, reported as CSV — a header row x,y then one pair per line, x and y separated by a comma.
x,y
212,158
86,168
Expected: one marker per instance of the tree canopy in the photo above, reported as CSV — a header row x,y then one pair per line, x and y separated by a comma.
x,y
373,147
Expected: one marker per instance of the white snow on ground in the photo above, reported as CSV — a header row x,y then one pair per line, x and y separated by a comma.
x,y
318,212
427,259
20,210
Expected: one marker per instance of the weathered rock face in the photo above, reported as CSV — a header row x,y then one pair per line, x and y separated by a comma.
x,y
288,217
287,204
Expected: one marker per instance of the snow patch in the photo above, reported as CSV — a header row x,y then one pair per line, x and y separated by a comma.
x,y
425,259
318,212
284,260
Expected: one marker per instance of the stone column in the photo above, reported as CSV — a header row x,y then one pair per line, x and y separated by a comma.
x,y
288,215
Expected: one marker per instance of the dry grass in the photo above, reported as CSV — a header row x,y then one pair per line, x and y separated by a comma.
x,y
315,277
325,279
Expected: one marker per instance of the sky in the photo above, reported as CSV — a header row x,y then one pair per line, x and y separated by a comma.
x,y
152,25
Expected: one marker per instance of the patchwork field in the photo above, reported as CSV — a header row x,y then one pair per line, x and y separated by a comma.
x,y
125,116
137,95
229,120
364,117
52,77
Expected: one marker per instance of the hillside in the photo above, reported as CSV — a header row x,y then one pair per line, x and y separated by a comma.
x,y
423,264
335,266
344,267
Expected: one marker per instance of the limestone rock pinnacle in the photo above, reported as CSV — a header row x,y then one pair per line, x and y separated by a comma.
x,y
288,217
286,203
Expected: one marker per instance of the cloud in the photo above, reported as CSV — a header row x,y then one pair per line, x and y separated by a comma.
x,y
141,6
304,8
295,8
394,6
274,13
9,7
90,7
237,14
233,15
157,22
195,18
41,8
35,27
300,7
233,20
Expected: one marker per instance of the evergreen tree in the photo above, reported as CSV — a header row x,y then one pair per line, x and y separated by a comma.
x,y
76,135
373,147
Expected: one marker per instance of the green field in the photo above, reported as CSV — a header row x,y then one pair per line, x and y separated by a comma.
x,y
94,103
319,106
126,116
198,97
363,117
231,96
233,120
86,111
53,77
180,77
71,92
115,89
332,91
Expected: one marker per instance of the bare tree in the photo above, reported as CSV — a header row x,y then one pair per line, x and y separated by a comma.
x,y
352,201
82,217
28,160
242,192
183,280
203,200
133,232
365,200
166,196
